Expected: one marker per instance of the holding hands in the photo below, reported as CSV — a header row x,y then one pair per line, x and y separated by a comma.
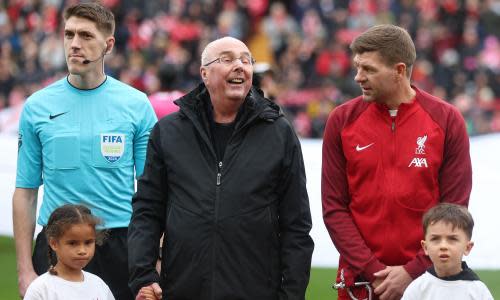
x,y
150,292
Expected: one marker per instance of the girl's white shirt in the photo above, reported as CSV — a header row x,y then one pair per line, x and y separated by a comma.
x,y
51,287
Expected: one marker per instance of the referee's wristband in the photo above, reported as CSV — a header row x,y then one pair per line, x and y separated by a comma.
x,y
160,253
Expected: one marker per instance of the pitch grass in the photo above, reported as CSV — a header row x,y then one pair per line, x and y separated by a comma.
x,y
319,286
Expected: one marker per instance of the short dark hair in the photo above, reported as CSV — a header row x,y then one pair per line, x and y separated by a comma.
x,y
393,43
167,75
456,215
101,16
60,221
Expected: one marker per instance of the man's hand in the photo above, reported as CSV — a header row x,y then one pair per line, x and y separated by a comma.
x,y
150,292
377,282
24,280
395,281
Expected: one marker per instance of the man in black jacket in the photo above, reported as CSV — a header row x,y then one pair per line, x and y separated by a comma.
x,y
224,181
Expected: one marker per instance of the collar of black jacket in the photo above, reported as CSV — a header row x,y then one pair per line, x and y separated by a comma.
x,y
255,105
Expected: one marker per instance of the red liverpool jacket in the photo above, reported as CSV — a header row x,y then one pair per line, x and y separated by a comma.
x,y
380,174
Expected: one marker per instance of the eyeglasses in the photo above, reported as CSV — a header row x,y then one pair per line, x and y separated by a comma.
x,y
227,60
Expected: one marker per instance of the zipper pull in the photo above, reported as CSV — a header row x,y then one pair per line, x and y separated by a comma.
x,y
219,173
393,125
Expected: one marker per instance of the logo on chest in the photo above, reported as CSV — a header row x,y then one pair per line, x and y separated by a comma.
x,y
421,145
112,146
419,162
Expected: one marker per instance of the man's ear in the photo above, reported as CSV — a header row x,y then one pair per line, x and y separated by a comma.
x,y
110,43
468,248
424,246
400,71
203,73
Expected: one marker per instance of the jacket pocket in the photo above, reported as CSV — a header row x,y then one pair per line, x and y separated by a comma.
x,y
249,242
187,253
274,249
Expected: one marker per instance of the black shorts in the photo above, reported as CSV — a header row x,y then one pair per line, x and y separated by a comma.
x,y
110,261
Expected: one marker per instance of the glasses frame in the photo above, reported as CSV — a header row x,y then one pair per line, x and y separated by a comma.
x,y
218,59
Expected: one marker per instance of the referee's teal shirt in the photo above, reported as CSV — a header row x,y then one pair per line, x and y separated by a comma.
x,y
83,146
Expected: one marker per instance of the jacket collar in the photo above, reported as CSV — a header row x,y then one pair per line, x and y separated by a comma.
x,y
466,274
254,107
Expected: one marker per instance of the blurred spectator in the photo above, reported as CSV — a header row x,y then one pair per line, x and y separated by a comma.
x,y
6,81
51,54
490,17
163,100
279,26
457,41
264,78
489,57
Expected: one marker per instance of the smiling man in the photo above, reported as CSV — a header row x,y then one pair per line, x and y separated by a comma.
x,y
82,137
224,181
388,156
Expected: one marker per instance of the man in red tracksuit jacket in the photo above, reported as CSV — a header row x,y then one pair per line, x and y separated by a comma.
x,y
388,156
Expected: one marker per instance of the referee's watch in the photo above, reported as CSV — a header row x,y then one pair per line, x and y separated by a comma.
x,y
160,253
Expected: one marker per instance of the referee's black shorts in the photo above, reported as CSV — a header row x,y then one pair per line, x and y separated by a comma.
x,y
110,261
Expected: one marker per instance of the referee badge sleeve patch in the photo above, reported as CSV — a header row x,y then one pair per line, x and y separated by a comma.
x,y
19,141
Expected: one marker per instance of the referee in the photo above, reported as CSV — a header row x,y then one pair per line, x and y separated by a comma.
x,y
82,137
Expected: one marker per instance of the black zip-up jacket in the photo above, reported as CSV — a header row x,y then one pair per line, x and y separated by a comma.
x,y
234,229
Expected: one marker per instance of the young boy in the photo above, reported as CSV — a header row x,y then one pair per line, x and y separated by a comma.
x,y
448,232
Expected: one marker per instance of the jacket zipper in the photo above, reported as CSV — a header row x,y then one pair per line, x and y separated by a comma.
x,y
393,163
216,214
219,171
218,181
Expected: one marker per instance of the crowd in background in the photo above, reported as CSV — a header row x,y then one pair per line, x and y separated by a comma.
x,y
301,48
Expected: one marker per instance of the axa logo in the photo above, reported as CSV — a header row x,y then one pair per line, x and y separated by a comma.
x,y
418,162
421,145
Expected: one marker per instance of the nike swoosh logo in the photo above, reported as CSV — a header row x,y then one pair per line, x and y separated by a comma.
x,y
55,116
358,148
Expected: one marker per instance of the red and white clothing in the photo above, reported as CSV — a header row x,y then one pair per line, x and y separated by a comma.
x,y
381,174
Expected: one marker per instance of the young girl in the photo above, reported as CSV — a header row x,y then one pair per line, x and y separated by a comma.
x,y
71,236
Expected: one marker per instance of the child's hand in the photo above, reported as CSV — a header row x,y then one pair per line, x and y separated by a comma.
x,y
146,293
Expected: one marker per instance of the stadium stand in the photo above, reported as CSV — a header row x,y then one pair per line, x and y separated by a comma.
x,y
305,43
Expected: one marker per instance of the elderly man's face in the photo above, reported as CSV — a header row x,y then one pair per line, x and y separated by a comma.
x,y
227,73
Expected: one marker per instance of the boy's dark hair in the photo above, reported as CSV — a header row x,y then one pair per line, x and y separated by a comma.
x,y
61,219
393,43
101,16
456,215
